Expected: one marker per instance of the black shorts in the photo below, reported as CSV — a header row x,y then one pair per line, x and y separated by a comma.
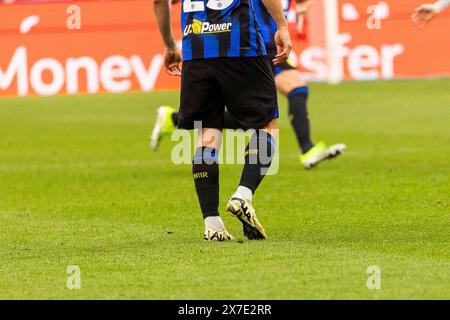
x,y
245,85
277,69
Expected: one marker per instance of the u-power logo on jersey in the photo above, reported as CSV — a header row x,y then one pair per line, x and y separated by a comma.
x,y
200,27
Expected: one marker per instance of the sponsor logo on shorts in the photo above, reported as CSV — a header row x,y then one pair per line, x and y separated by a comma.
x,y
200,27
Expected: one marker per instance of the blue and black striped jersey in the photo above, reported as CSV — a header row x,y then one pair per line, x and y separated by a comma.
x,y
268,25
220,28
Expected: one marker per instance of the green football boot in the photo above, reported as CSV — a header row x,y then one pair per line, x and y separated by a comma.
x,y
321,152
164,126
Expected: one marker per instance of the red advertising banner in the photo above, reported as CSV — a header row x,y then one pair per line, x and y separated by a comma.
x,y
68,47
379,41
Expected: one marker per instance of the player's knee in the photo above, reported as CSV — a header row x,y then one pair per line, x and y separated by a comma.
x,y
209,137
289,80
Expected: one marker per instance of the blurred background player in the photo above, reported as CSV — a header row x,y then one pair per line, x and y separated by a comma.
x,y
289,83
426,12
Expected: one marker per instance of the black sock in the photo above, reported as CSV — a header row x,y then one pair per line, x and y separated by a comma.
x,y
175,118
258,157
229,122
205,170
298,114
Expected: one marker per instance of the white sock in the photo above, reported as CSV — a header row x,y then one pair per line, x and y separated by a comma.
x,y
245,192
214,222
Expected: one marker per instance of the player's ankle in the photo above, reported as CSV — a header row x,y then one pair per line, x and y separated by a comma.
x,y
245,192
214,222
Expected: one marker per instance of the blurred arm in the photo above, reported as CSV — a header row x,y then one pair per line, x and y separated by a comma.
x,y
302,7
442,4
426,12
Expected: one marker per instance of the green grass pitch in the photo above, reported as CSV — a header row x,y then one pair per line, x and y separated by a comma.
x,y
80,186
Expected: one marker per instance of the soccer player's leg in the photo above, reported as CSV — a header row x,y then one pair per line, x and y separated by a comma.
x,y
290,83
202,107
251,98
205,171
258,158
